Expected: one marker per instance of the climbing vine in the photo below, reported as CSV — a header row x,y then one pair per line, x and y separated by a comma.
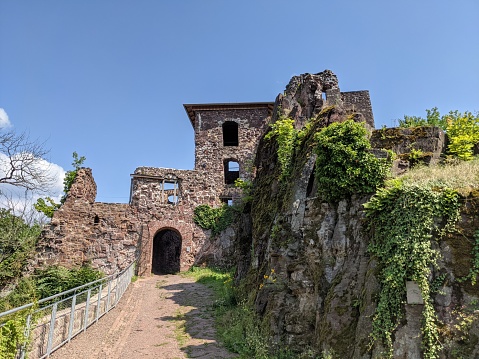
x,y
285,134
402,219
216,219
344,164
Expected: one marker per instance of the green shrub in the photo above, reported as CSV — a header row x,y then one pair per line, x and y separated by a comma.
x,y
461,128
17,244
216,219
344,164
285,134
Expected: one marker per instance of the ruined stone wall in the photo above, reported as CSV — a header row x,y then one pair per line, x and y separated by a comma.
x,y
210,153
82,231
194,188
359,101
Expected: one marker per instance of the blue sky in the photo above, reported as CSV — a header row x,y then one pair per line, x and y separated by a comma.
x,y
108,79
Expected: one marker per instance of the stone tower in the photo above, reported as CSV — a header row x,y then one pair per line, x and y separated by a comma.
x,y
226,137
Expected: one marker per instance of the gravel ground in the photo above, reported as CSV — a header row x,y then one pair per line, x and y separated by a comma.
x,y
163,317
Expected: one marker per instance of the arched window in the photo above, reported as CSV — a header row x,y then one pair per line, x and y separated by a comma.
x,y
231,171
230,133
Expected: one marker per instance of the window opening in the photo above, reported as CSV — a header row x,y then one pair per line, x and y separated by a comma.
x,y
231,171
230,133
96,220
169,192
227,201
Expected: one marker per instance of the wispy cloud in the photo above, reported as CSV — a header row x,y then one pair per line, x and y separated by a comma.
x,y
4,120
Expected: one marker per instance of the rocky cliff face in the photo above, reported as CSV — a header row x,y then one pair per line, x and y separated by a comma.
x,y
306,266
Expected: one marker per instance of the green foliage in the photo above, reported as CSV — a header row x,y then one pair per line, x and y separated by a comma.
x,y
463,132
285,134
49,208
461,128
47,282
433,118
17,244
402,219
247,188
56,279
46,208
216,219
344,165
474,270
12,334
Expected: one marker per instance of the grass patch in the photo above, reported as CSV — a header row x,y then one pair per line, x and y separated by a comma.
x,y
463,176
238,327
180,329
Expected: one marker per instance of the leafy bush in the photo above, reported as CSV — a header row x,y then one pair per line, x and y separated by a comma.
x,y
461,128
285,134
56,279
463,133
344,165
216,219
47,282
17,244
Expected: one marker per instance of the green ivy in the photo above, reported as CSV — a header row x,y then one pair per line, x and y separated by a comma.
x,y
344,164
474,270
216,219
285,134
403,219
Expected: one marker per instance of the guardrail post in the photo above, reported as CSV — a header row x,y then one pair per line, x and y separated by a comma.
x,y
100,288
72,317
23,348
85,323
51,332
108,297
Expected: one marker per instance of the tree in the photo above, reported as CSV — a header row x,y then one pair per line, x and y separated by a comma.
x,y
17,244
462,128
22,163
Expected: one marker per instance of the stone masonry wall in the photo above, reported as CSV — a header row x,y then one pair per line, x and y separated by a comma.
x,y
81,231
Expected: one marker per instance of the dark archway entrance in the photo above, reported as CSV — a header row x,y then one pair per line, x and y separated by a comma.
x,y
166,252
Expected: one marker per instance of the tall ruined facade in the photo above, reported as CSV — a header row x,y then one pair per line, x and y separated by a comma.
x,y
157,224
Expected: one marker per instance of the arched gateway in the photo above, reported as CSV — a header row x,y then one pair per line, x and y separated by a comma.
x,y
166,252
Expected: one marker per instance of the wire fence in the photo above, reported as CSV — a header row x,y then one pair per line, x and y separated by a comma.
x,y
54,321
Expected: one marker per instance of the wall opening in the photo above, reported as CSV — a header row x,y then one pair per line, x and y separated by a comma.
x,y
227,200
166,252
169,191
230,133
96,220
231,171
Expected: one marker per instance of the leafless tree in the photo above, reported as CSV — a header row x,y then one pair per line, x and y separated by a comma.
x,y
22,162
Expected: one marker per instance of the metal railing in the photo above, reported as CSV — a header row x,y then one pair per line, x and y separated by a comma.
x,y
60,317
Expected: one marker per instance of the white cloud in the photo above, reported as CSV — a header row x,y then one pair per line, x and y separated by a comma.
x,y
4,120
21,201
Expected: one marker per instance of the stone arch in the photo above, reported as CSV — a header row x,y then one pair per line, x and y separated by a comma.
x,y
166,254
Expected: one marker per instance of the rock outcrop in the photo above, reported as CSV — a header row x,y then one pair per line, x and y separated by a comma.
x,y
305,263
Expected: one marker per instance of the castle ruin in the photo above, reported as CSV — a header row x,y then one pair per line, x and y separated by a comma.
x,y
157,224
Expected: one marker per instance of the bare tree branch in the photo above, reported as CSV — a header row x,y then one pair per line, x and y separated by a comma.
x,y
22,162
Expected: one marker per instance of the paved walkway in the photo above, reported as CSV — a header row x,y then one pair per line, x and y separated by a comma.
x,y
163,317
